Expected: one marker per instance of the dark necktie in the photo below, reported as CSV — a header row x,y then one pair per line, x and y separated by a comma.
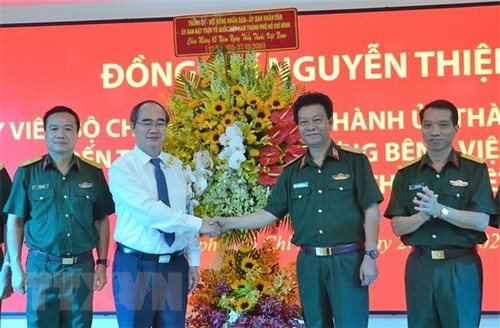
x,y
161,185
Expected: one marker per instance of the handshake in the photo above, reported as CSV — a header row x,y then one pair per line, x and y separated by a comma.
x,y
213,227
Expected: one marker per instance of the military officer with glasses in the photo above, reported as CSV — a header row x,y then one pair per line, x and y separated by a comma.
x,y
440,206
332,199
157,252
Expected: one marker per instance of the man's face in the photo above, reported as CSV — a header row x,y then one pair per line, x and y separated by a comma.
x,y
438,130
314,125
150,129
61,133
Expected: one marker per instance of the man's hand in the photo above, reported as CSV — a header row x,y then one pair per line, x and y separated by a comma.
x,y
100,278
193,278
5,282
427,203
368,271
210,228
18,278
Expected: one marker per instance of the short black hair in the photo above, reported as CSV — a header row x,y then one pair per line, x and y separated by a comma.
x,y
441,104
312,98
134,114
61,109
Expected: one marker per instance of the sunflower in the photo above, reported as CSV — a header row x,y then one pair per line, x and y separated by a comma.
x,y
260,124
261,285
244,304
239,284
248,264
276,102
229,261
218,107
262,112
254,100
236,90
228,119
200,119
237,112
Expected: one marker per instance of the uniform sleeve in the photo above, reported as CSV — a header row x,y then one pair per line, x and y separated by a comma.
x,y
18,202
104,205
397,204
277,204
5,187
482,199
367,187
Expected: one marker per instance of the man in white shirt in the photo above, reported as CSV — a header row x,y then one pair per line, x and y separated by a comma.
x,y
158,253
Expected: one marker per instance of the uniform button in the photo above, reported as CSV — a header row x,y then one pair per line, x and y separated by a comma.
x,y
64,178
341,188
67,215
320,211
319,171
434,236
320,191
438,176
87,196
65,197
68,254
320,232
458,196
300,196
41,197
68,234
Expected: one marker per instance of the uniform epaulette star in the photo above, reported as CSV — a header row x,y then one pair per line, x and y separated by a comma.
x,y
408,163
473,158
351,149
91,162
31,161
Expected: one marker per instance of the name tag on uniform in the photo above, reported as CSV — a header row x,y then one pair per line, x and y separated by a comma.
x,y
417,186
40,187
164,259
300,185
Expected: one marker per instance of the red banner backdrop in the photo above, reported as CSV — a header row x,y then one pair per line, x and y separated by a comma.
x,y
378,67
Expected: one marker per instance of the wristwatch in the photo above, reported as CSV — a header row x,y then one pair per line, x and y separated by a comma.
x,y
103,262
373,253
444,212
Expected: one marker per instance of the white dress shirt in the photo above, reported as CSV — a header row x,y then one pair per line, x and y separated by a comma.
x,y
141,215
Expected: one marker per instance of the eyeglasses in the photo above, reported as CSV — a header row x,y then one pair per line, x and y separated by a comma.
x,y
150,124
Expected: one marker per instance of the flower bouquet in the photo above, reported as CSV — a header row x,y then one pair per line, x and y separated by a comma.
x,y
250,290
232,126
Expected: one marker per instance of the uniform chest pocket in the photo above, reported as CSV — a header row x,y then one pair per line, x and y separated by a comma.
x,y
300,193
42,203
452,196
341,192
41,196
86,195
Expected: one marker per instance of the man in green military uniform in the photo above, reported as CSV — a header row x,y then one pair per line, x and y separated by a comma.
x,y
440,205
60,204
5,275
332,199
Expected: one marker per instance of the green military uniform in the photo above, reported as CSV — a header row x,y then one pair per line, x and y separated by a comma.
x,y
5,186
494,221
59,213
326,205
443,292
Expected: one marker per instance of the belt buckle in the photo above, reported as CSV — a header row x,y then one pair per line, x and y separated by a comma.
x,y
68,260
437,255
323,251
164,259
